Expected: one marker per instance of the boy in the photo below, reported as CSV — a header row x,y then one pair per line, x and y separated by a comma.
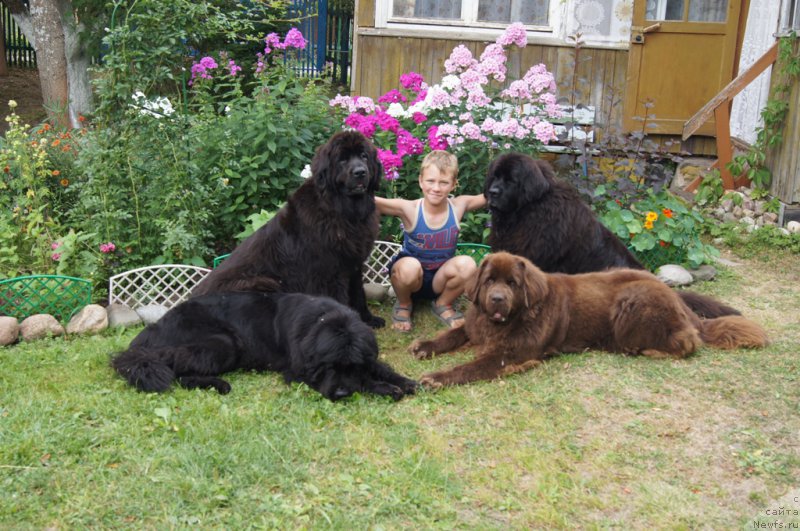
x,y
427,267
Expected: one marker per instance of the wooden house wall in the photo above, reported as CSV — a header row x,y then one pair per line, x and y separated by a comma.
x,y
784,161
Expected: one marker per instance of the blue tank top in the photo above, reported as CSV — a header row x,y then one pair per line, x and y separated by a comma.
x,y
432,247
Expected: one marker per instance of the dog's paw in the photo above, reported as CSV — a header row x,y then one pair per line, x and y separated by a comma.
x,y
375,322
421,350
429,381
222,387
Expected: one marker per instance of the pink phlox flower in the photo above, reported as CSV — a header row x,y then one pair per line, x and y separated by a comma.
x,y
55,245
408,144
437,98
294,39
56,256
472,79
539,79
517,89
545,132
411,81
514,34
363,103
493,62
363,124
233,67
507,127
272,41
530,121
386,122
391,162
488,125
477,98
465,117
201,68
393,96
420,96
418,118
471,131
460,59
434,140
107,247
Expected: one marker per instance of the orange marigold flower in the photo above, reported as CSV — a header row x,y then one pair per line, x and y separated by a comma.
x,y
662,243
65,148
64,182
648,224
7,169
81,118
56,142
667,212
651,217
46,127
56,173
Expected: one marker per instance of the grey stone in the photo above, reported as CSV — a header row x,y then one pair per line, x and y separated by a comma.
x,y
793,227
151,313
770,218
375,292
9,330
122,315
703,273
674,275
90,320
40,326
727,205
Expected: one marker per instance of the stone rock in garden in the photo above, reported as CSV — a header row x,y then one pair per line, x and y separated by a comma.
x,y
375,292
40,326
122,315
391,293
760,206
90,320
727,205
749,223
674,275
738,211
770,218
749,204
9,330
793,227
729,217
151,313
703,273
784,231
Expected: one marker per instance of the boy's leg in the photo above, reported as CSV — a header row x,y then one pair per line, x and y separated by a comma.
x,y
406,279
450,282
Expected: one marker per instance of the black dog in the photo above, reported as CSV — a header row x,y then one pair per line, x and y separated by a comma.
x,y
318,242
544,219
314,340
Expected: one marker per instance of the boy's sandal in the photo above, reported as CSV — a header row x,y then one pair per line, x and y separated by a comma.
x,y
397,318
439,311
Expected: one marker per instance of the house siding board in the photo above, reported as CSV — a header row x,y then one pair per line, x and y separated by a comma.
x,y
784,161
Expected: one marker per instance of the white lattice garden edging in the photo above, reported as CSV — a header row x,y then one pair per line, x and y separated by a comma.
x,y
166,285
376,268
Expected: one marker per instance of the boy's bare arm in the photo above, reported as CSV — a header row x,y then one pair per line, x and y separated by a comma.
x,y
467,203
402,208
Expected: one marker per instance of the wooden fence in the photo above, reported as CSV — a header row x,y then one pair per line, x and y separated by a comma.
x,y
19,51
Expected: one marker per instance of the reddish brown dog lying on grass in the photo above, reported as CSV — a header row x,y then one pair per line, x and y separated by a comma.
x,y
520,315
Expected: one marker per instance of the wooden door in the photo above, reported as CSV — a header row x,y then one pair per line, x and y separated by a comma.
x,y
682,53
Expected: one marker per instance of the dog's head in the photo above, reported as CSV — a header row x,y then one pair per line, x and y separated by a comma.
x,y
347,165
505,285
514,179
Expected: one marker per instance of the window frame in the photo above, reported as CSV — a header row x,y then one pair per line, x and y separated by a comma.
x,y
468,22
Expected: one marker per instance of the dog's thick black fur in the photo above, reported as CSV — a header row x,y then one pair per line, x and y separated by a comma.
x,y
318,242
544,219
314,340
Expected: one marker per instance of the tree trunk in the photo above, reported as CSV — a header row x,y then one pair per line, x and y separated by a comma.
x,y
3,65
51,58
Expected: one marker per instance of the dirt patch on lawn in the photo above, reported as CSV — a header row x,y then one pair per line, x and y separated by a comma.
x,y
21,85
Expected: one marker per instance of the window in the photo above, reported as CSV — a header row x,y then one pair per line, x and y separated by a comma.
x,y
698,10
790,16
529,12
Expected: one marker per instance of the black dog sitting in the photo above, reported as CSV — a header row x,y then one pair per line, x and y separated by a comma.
x,y
314,340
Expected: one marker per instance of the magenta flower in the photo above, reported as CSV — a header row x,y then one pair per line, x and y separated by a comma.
x,y
408,144
363,124
56,257
433,139
386,122
106,248
460,59
201,68
294,39
411,81
55,245
233,67
390,161
418,118
272,41
393,96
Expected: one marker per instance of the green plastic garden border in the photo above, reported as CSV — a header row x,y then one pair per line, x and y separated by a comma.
x,y
57,295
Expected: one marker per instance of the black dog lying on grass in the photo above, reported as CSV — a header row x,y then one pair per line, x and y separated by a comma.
x,y
314,340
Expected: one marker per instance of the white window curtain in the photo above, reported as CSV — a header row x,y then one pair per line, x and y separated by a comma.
x,y
532,12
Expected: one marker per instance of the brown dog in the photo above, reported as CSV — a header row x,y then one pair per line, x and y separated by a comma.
x,y
520,315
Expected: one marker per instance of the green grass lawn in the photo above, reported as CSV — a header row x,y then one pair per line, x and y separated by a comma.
x,y
589,440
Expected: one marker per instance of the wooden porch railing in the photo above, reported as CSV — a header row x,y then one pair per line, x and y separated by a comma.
x,y
720,107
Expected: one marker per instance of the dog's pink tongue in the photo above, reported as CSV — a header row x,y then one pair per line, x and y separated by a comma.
x,y
497,316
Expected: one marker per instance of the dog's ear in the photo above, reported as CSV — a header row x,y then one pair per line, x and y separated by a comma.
x,y
473,288
374,165
536,178
534,283
325,157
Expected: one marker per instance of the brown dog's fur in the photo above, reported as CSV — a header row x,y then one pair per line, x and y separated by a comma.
x,y
520,315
